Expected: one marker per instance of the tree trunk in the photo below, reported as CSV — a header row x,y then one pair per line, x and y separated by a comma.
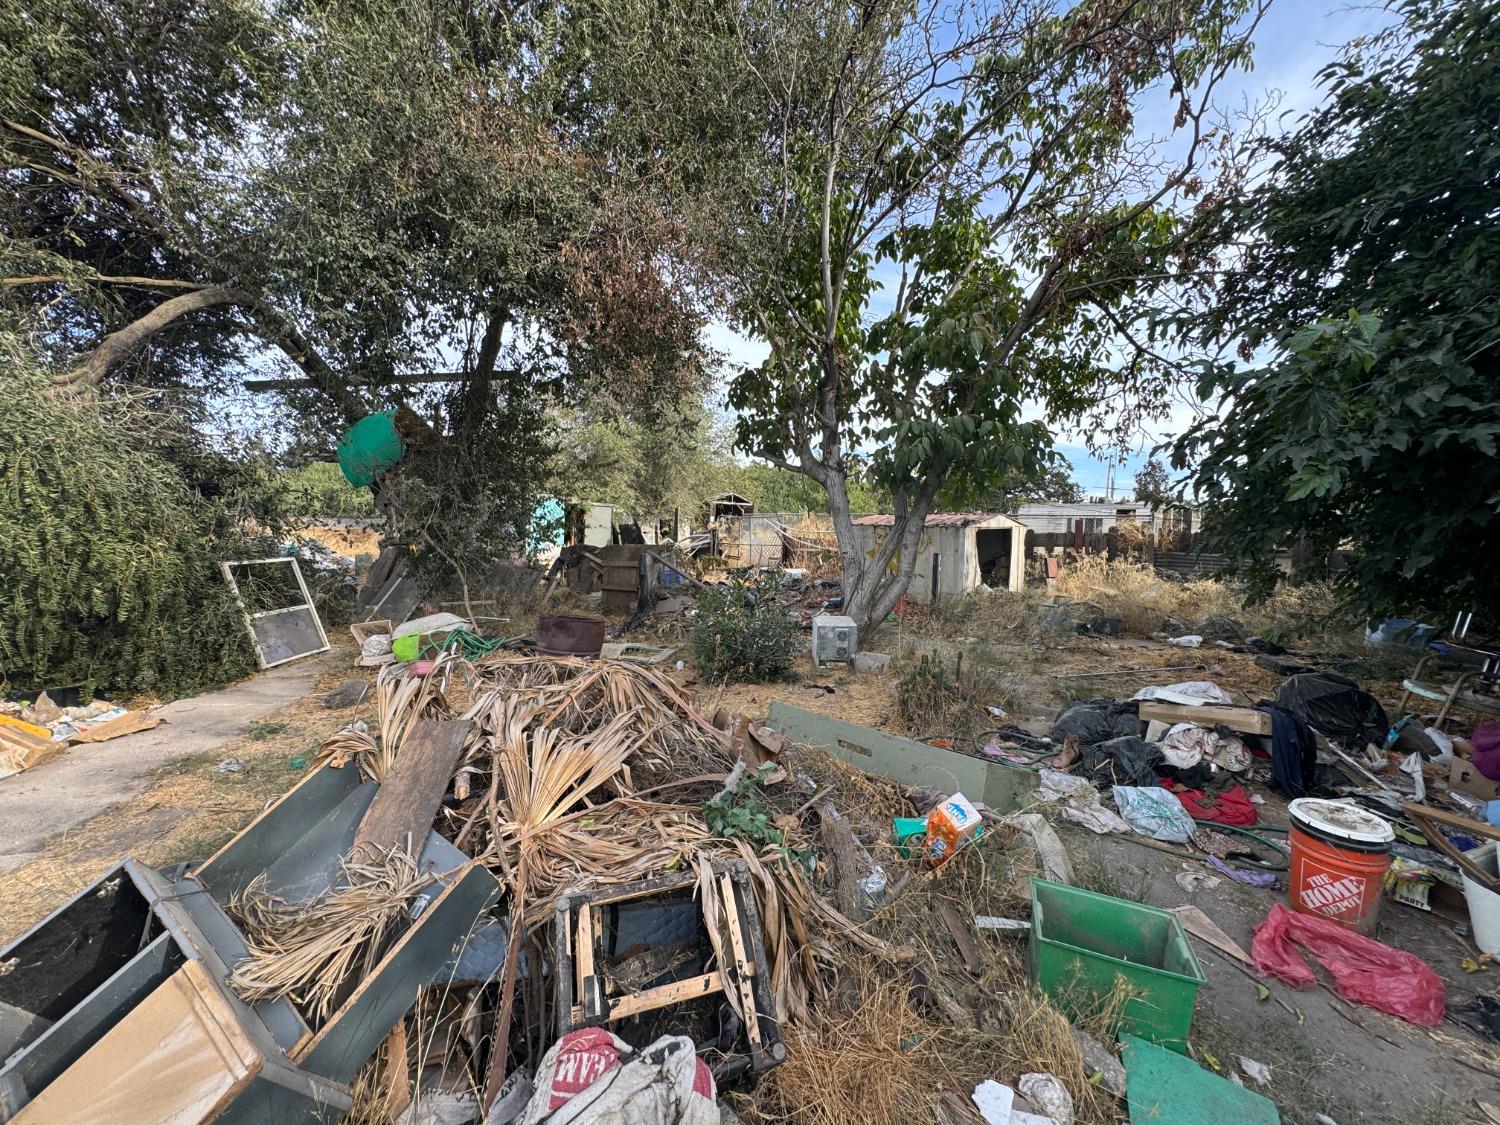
x,y
120,345
871,587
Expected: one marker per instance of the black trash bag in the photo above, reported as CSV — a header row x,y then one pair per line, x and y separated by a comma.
x,y
1336,706
1097,721
1122,761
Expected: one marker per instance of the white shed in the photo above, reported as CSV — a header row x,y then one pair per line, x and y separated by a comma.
x,y
959,552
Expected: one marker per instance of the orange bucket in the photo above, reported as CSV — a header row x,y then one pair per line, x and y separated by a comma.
x,y
1340,854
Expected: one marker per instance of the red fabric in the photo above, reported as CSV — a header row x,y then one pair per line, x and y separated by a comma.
x,y
1229,807
583,1056
1364,970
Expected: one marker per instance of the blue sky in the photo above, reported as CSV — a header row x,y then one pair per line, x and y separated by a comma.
x,y
1294,41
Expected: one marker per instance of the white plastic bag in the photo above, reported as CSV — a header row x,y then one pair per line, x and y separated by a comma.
x,y
1155,812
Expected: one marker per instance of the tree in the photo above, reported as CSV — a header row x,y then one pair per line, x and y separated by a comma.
x,y
197,190
1153,485
965,214
1367,266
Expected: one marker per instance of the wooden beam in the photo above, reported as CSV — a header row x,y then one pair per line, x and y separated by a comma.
x,y
1246,720
297,384
409,796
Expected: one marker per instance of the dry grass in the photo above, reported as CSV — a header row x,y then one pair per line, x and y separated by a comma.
x,y
1134,593
308,951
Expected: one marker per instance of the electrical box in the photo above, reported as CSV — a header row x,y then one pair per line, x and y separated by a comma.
x,y
834,640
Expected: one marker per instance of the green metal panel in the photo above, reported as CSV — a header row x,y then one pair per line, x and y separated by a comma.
x,y
1164,1088
999,785
1083,943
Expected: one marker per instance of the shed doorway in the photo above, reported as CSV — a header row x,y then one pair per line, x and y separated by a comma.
x,y
994,547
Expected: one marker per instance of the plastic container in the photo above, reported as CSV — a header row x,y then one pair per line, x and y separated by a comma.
x,y
951,827
1083,943
1340,854
1484,904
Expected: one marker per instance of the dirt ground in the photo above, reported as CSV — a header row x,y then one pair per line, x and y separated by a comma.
x,y
1350,1063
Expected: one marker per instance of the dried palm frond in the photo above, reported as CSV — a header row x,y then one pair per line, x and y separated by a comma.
x,y
403,699
307,951
353,743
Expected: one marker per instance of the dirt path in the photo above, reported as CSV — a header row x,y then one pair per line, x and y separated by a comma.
x,y
46,801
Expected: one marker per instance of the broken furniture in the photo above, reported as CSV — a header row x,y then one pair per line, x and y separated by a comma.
x,y
999,786
83,971
1083,944
183,1054
1244,720
1474,668
287,630
298,844
625,951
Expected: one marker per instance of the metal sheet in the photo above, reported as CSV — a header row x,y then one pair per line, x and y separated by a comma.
x,y
1001,786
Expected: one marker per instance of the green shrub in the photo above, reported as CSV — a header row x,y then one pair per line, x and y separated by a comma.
x,y
109,556
742,633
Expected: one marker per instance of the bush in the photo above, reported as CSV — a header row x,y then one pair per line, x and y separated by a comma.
x,y
742,633
109,556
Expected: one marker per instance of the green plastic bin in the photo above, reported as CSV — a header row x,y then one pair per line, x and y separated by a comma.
x,y
1082,942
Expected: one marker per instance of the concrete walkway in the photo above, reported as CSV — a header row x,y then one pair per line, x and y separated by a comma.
x,y
40,803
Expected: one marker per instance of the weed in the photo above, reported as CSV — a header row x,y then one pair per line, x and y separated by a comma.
x,y
742,633
258,732
933,699
1091,874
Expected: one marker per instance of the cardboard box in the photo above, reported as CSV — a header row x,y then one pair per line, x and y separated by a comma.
x,y
1464,777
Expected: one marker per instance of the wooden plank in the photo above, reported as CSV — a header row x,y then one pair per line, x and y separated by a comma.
x,y
1245,720
1430,820
963,937
678,992
402,812
745,966
1453,820
1204,928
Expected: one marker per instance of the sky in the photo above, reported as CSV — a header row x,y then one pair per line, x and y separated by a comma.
x,y
1294,41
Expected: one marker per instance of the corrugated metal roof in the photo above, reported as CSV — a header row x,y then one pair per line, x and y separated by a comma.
x,y
937,519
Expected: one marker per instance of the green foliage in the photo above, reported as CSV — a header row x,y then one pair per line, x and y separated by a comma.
x,y
320,489
1377,281
110,557
1153,485
1050,482
1007,202
741,633
738,813
774,489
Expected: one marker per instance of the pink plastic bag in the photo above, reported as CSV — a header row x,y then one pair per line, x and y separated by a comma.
x,y
1364,970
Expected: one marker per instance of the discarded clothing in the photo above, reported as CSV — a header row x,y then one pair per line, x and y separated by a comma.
x,y
1187,744
1249,878
1080,801
1294,752
1123,761
1364,970
1191,693
1335,705
1098,720
1229,807
1486,743
1153,811
664,1084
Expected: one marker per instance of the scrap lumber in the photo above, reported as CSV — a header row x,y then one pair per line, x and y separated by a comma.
x,y
1432,820
843,861
402,813
1245,720
963,937
21,750
1204,928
